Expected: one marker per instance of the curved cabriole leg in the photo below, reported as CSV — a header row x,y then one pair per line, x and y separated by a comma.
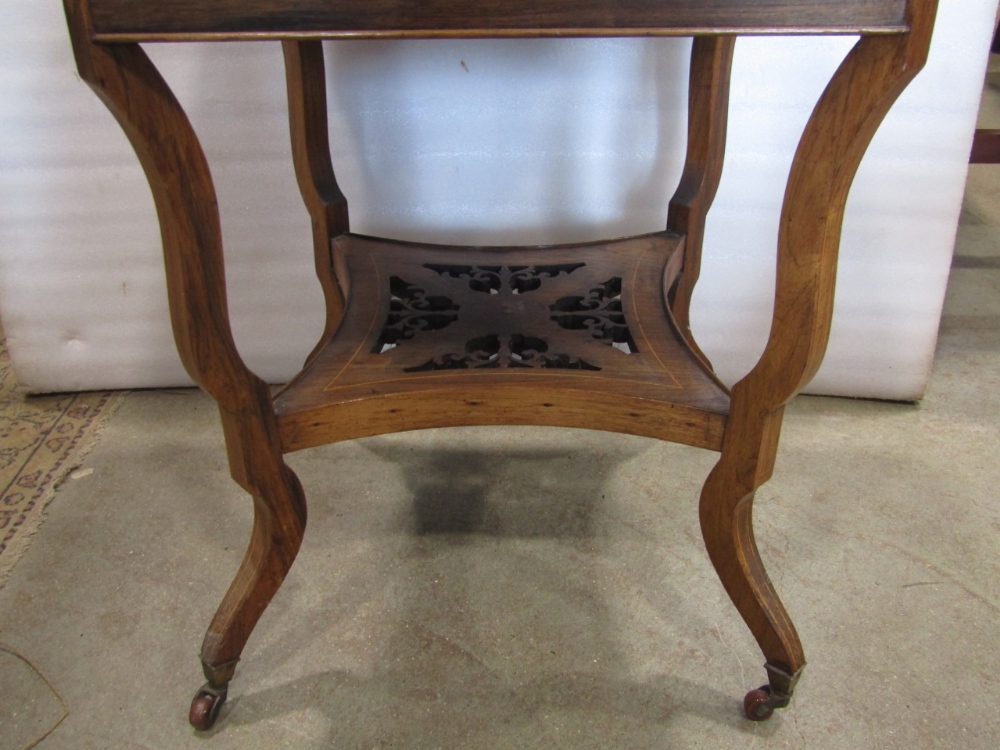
x,y
279,524
726,513
177,171
275,540
843,123
727,527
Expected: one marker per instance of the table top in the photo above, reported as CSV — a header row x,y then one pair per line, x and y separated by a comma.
x,y
142,20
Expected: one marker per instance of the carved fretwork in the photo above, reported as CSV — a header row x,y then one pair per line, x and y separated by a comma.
x,y
495,351
525,279
600,313
412,310
491,279
484,279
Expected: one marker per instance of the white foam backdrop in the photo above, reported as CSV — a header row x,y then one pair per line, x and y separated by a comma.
x,y
505,141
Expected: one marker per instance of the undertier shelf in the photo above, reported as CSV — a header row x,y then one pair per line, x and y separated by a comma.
x,y
572,336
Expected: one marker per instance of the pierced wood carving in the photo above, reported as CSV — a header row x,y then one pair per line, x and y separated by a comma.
x,y
504,342
600,313
411,309
491,279
494,351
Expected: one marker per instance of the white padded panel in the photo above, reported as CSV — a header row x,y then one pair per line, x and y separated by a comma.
x,y
461,141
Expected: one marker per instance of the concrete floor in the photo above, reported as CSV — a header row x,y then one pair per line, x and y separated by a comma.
x,y
521,588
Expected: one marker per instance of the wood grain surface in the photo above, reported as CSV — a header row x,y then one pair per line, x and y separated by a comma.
x,y
429,376
132,20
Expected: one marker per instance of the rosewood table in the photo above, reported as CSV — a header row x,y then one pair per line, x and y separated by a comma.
x,y
589,335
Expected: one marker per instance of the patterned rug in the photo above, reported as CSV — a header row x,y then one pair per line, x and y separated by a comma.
x,y
42,439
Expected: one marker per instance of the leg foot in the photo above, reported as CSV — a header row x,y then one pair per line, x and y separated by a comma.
x,y
279,523
206,705
727,526
759,704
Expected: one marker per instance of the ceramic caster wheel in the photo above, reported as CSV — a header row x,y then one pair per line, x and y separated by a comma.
x,y
757,704
205,707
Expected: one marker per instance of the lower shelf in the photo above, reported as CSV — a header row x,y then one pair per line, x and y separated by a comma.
x,y
572,336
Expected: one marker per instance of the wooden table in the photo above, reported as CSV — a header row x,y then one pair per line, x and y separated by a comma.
x,y
589,335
